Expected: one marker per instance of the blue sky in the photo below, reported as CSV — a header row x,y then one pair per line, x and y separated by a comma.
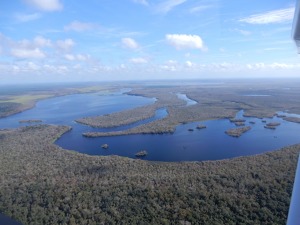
x,y
71,40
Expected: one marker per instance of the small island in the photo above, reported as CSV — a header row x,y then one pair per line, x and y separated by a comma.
x,y
105,146
141,153
233,120
280,116
238,122
237,132
200,126
271,125
30,121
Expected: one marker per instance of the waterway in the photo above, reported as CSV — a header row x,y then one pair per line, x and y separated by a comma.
x,y
183,145
189,101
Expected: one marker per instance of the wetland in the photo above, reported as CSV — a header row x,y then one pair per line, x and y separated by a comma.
x,y
131,118
149,144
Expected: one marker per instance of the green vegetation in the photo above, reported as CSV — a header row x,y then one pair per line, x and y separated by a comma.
x,y
238,122
141,153
292,119
12,104
237,132
272,125
200,126
44,184
7,108
214,101
30,121
27,99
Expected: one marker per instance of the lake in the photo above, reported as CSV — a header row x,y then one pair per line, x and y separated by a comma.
x,y
5,220
183,145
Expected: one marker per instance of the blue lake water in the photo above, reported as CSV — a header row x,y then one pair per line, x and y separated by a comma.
x,y
5,220
189,101
183,145
65,109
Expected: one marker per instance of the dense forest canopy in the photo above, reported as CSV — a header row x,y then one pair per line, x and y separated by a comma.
x,y
44,184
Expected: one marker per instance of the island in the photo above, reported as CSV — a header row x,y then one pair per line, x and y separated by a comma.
x,y
30,121
237,132
272,125
238,122
201,126
105,146
141,153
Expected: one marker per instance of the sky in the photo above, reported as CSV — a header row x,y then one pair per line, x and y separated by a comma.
x,y
103,40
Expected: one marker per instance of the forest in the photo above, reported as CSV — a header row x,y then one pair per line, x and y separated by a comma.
x,y
44,184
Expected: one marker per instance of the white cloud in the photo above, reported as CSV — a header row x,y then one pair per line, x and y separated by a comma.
x,y
172,62
189,64
275,16
185,41
69,57
275,65
79,26
27,17
129,43
27,53
33,66
168,5
46,5
139,60
170,68
42,42
142,2
201,8
65,45
25,49
243,32
79,57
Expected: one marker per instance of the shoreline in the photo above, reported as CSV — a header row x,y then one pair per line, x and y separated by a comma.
x,y
32,103
61,172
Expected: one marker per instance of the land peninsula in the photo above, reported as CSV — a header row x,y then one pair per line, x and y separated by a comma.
x,y
12,103
214,101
